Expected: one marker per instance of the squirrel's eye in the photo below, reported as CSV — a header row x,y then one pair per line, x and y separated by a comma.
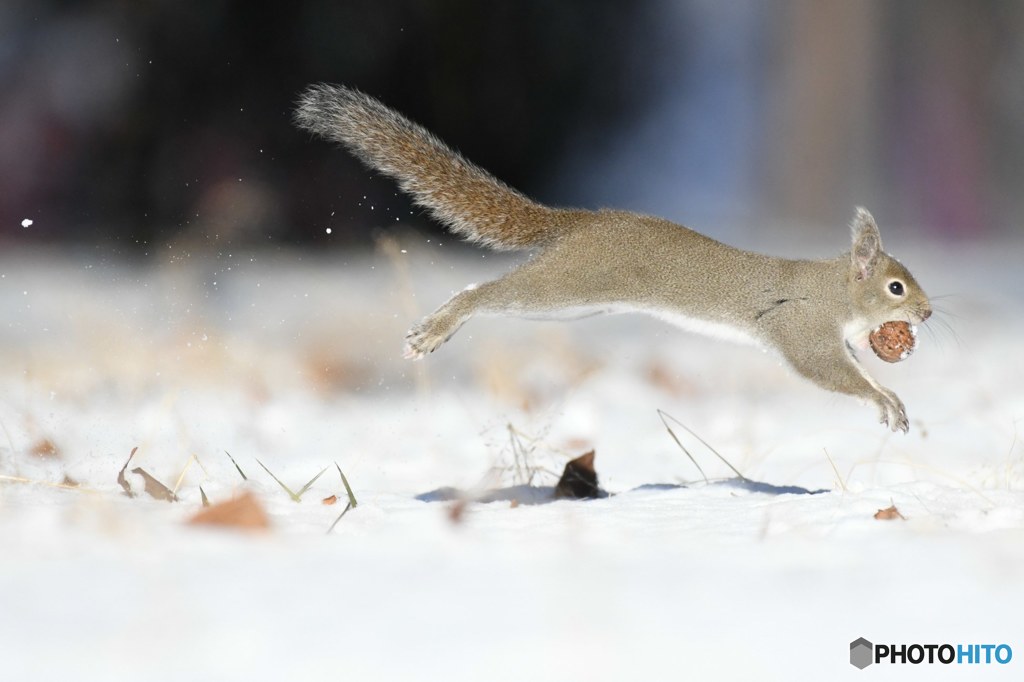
x,y
896,288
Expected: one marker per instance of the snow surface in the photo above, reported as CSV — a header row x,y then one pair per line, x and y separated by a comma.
x,y
295,361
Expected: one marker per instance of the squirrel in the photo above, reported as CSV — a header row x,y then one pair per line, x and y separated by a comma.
x,y
811,312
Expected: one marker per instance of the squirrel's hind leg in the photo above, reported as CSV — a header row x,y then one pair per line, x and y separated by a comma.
x,y
433,330
533,290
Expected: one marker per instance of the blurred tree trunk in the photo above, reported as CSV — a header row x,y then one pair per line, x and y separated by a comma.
x,y
822,119
942,87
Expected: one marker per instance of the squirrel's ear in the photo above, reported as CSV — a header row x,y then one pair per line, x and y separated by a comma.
x,y
867,243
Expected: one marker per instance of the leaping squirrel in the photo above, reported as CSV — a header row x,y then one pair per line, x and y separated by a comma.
x,y
812,312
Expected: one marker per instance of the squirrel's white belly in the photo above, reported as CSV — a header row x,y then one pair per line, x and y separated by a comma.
x,y
717,330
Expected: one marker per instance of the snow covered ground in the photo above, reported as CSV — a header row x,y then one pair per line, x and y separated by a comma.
x,y
294,361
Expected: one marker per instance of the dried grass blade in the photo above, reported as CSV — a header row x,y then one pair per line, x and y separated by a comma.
x,y
348,489
295,498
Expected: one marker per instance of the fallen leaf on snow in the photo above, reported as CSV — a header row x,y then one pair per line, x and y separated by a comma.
x,y
155,488
243,512
889,514
579,480
330,500
121,480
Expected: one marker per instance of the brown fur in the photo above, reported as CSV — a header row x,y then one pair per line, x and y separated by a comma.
x,y
470,201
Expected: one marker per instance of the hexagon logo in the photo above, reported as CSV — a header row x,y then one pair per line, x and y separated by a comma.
x,y
861,653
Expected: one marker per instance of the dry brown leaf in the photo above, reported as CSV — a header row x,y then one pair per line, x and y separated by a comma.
x,y
45,449
330,500
155,488
243,512
121,480
70,482
513,503
579,479
889,514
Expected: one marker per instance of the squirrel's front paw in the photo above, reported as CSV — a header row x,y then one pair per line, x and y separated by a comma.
x,y
892,412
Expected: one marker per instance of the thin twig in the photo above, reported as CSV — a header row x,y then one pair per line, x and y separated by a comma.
x,y
181,476
522,472
681,446
690,431
343,512
842,483
63,486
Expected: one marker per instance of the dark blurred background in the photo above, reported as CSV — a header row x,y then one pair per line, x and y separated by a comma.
x,y
134,124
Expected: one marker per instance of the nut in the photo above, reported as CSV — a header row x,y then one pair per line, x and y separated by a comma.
x,y
893,341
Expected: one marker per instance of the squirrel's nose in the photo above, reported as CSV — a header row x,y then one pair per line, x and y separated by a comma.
x,y
927,314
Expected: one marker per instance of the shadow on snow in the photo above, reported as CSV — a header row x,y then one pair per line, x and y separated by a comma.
x,y
531,495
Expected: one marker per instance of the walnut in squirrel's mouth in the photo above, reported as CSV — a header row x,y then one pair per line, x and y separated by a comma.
x,y
893,341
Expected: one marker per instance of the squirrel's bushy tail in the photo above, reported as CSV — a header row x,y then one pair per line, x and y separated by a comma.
x,y
470,201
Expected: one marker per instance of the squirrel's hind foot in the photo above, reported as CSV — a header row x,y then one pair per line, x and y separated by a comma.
x,y
426,337
419,342
434,329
